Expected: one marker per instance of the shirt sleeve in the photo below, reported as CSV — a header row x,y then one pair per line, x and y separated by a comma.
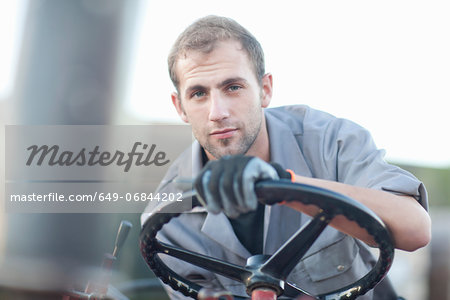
x,y
352,154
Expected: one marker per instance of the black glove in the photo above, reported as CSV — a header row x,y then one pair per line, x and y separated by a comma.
x,y
282,173
228,184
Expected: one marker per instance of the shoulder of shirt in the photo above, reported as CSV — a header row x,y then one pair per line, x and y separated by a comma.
x,y
301,117
298,111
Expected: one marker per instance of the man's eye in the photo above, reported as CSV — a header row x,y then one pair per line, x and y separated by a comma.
x,y
197,94
234,88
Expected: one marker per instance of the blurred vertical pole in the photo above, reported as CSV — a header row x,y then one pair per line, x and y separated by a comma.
x,y
68,63
439,276
66,76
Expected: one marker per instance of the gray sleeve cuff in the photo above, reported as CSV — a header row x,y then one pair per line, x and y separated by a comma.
x,y
417,191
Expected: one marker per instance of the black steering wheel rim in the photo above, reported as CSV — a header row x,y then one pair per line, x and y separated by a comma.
x,y
271,192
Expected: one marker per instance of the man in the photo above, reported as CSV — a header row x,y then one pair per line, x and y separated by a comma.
x,y
222,90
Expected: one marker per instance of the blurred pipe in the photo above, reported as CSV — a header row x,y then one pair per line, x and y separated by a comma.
x,y
66,76
439,276
67,66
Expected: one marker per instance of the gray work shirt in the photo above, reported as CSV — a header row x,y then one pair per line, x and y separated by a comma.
x,y
313,144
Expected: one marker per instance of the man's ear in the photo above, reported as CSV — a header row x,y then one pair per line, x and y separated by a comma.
x,y
267,89
177,103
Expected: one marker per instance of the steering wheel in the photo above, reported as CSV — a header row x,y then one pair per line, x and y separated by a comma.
x,y
272,271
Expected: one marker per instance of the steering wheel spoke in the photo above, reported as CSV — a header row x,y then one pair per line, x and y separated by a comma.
x,y
215,265
281,263
293,291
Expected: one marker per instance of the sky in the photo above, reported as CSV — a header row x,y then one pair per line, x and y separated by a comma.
x,y
11,17
383,64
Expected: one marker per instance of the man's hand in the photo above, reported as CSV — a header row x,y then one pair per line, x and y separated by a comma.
x,y
228,184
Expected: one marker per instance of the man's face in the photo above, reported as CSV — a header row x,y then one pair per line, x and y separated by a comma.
x,y
220,97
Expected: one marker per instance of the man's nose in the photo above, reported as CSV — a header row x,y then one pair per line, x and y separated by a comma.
x,y
218,109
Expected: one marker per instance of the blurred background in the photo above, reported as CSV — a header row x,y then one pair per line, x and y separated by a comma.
x,y
383,64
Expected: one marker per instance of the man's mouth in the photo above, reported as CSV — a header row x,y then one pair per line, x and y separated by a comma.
x,y
224,133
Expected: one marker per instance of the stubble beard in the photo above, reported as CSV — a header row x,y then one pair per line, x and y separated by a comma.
x,y
241,146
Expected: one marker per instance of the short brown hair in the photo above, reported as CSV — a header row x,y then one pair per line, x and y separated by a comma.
x,y
203,35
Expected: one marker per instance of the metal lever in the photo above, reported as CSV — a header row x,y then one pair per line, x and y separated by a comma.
x,y
122,235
